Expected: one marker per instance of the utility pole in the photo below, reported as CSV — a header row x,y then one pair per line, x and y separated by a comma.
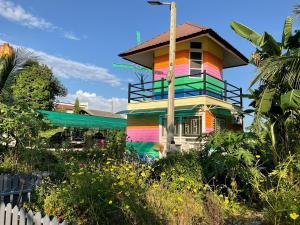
x,y
171,79
170,76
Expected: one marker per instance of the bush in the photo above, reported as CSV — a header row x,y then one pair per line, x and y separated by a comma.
x,y
279,191
180,170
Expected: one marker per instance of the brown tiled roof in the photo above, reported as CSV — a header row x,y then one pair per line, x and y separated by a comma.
x,y
181,31
184,31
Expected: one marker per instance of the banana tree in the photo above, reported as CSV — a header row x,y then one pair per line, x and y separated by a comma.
x,y
278,79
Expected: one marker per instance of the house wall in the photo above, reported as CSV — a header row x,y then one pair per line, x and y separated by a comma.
x,y
212,59
143,133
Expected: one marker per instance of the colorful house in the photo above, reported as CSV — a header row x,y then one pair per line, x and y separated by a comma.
x,y
204,101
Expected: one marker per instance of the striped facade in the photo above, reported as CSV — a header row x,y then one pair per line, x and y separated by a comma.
x,y
144,131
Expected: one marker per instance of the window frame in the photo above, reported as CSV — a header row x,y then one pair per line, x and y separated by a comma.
x,y
199,117
215,123
197,50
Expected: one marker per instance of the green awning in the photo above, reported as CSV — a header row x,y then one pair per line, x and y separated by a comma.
x,y
158,110
221,111
62,119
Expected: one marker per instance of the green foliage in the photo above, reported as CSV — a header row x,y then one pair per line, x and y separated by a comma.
x,y
181,170
76,106
36,86
19,126
276,98
290,100
226,160
279,190
9,66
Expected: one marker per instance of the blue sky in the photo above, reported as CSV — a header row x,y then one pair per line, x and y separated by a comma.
x,y
80,39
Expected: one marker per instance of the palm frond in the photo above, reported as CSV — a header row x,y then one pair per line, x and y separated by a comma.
x,y
282,69
11,64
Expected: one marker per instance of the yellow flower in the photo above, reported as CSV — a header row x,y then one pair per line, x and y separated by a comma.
x,y
163,174
143,174
126,206
121,183
180,199
108,162
110,202
257,156
174,210
205,187
155,185
226,201
294,216
195,190
181,178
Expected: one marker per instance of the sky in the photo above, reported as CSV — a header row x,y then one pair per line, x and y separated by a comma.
x,y
79,40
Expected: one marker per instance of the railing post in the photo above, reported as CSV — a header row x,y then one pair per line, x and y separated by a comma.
x,y
241,97
204,82
162,90
129,92
225,90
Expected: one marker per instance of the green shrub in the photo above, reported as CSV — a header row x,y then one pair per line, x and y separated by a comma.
x,y
279,191
180,170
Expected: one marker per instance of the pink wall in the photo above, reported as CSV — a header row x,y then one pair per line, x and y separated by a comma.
x,y
212,71
143,134
181,69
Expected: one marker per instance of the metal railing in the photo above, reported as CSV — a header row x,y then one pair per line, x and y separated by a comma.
x,y
186,86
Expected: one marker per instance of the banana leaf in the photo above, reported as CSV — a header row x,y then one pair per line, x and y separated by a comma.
x,y
290,100
247,33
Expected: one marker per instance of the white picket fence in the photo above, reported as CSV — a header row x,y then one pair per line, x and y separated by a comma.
x,y
16,216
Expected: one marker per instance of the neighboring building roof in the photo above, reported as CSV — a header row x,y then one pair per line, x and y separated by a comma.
x,y
83,121
68,106
94,112
184,31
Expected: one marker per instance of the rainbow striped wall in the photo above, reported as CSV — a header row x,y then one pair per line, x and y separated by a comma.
x,y
212,59
143,128
143,132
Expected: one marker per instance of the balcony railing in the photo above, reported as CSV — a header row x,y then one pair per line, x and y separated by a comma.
x,y
186,86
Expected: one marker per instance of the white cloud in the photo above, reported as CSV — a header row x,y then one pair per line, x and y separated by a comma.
x,y
68,69
97,102
18,14
71,36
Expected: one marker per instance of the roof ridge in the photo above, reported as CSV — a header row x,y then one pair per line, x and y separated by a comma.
x,y
168,31
196,25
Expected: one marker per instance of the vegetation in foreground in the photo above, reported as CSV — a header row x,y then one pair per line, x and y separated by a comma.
x,y
236,178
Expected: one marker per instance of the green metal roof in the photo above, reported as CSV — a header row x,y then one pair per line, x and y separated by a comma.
x,y
62,119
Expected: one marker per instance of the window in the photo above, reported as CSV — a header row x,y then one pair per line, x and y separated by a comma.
x,y
195,63
196,45
191,126
220,124
176,126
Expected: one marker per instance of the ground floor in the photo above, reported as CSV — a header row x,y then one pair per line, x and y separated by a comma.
x,y
148,130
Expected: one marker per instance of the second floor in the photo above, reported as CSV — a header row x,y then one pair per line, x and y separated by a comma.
x,y
201,57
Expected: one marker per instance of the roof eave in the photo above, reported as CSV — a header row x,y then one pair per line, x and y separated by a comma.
x,y
207,31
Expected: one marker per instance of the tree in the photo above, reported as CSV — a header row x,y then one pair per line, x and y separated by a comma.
x,y
11,62
36,86
76,106
277,97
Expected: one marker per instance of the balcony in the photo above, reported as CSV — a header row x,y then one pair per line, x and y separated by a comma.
x,y
186,86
